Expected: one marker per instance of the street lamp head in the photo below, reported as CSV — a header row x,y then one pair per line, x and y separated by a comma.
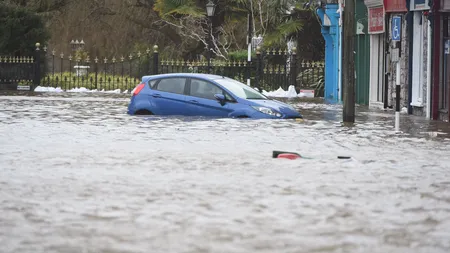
x,y
210,8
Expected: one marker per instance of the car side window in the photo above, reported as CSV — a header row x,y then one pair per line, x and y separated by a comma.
x,y
172,85
203,89
152,83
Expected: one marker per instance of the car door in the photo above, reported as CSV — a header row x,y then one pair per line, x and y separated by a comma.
x,y
201,101
168,96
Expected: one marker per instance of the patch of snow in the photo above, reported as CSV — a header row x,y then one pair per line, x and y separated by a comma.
x,y
291,93
82,89
280,92
113,91
48,89
77,90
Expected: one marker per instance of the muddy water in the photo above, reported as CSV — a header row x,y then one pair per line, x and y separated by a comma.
x,y
79,175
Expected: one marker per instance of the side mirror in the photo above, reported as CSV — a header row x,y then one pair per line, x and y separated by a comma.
x,y
220,98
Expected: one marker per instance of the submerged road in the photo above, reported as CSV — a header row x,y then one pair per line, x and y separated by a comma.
x,y
77,174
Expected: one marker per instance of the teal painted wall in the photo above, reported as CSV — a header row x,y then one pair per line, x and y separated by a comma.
x,y
362,56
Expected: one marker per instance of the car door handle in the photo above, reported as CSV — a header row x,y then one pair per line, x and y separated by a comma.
x,y
193,101
156,95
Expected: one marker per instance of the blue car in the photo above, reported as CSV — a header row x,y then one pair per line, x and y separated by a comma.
x,y
191,94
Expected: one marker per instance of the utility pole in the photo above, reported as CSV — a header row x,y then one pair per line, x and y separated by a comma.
x,y
348,64
249,45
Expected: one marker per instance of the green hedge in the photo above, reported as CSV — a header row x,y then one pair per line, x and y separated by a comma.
x,y
69,80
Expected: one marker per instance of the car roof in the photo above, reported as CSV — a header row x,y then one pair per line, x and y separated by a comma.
x,y
198,75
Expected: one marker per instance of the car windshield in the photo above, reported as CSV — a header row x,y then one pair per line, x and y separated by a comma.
x,y
239,89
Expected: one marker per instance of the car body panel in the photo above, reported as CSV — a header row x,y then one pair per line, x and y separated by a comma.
x,y
166,103
206,107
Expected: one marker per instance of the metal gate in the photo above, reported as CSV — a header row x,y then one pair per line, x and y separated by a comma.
x,y
17,73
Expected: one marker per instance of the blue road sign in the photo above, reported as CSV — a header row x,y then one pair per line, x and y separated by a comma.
x,y
396,28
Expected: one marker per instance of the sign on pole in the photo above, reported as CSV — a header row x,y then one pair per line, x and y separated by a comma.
x,y
396,31
417,5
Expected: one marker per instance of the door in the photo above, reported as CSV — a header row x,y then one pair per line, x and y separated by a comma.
x,y
201,100
417,92
168,96
362,69
376,68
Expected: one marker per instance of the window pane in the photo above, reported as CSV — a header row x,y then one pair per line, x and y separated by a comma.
x,y
204,89
152,83
172,85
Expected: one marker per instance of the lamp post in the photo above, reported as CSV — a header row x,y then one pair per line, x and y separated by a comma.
x,y
249,44
256,42
210,8
77,45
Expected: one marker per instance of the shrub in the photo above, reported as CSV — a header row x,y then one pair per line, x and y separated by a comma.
x,y
69,80
240,55
20,29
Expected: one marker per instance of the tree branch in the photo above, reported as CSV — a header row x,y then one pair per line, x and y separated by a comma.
x,y
194,29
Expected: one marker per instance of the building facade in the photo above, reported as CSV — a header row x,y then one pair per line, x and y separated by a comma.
x,y
445,59
415,34
420,58
440,85
362,56
397,50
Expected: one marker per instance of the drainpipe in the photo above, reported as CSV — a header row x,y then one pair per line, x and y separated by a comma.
x,y
386,63
436,59
429,43
410,25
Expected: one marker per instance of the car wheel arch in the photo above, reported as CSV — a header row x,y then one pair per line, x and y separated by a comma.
x,y
143,112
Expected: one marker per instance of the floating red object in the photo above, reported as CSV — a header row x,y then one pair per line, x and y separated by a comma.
x,y
289,156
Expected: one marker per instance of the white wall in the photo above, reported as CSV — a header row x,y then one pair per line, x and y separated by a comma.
x,y
376,69
418,80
